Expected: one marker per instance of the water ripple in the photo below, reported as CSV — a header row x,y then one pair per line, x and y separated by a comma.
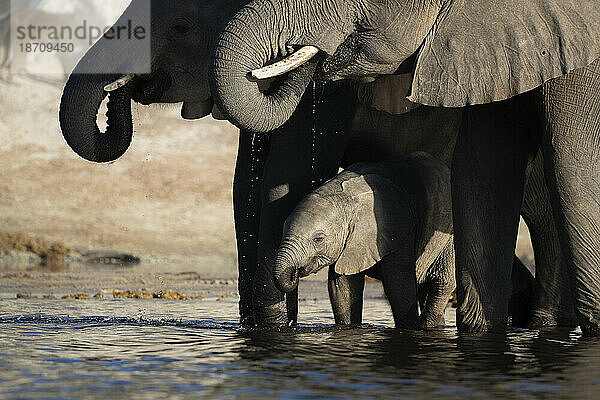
x,y
161,349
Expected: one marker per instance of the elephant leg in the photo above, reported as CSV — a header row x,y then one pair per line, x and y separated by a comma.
x,y
441,283
346,296
306,153
251,157
488,174
571,147
286,180
399,278
553,297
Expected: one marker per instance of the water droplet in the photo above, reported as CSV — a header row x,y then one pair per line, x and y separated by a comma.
x,y
317,92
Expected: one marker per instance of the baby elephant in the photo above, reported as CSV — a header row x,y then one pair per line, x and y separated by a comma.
x,y
391,220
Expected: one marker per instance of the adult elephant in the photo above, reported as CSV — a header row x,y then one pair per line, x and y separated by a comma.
x,y
381,125
344,118
528,76
183,34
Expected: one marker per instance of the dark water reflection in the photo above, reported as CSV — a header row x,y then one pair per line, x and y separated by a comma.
x,y
150,354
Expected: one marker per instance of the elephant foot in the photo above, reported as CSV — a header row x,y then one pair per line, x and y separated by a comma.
x,y
547,319
272,315
590,323
482,327
426,324
590,329
470,315
476,322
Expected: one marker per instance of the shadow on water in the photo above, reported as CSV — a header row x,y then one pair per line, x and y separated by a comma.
x,y
363,361
73,356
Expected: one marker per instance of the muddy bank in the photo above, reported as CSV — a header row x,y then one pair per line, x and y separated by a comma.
x,y
129,284
168,198
19,251
80,286
120,294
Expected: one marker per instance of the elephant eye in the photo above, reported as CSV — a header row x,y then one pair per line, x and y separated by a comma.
x,y
181,27
319,237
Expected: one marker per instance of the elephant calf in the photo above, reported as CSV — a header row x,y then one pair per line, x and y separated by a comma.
x,y
391,220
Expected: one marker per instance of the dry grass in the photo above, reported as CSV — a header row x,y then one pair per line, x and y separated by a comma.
x,y
51,253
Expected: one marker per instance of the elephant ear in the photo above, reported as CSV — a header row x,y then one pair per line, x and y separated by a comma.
x,y
388,93
480,51
382,222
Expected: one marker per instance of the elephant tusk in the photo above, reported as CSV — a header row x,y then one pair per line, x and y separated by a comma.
x,y
119,83
287,64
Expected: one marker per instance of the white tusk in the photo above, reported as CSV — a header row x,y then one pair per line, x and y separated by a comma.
x,y
119,83
287,64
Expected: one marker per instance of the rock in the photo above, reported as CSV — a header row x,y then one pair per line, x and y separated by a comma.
x,y
127,294
110,258
99,295
77,296
162,294
170,295
25,296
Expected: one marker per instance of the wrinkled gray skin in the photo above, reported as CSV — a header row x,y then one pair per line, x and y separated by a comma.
x,y
538,86
373,135
391,219
269,184
181,41
183,34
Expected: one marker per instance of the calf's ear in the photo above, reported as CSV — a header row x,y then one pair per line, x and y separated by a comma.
x,y
480,51
381,223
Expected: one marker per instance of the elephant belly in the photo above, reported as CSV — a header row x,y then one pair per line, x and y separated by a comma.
x,y
378,136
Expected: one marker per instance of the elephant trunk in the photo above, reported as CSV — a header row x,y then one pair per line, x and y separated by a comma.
x,y
291,256
285,272
276,277
251,40
269,302
79,107
103,64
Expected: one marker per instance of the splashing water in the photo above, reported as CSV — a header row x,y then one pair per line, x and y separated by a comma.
x,y
202,353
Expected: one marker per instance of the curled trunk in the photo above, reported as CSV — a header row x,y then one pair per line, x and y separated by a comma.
x,y
240,50
285,272
105,62
273,279
81,100
269,302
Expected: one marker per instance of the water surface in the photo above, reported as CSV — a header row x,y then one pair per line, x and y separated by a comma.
x,y
159,348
